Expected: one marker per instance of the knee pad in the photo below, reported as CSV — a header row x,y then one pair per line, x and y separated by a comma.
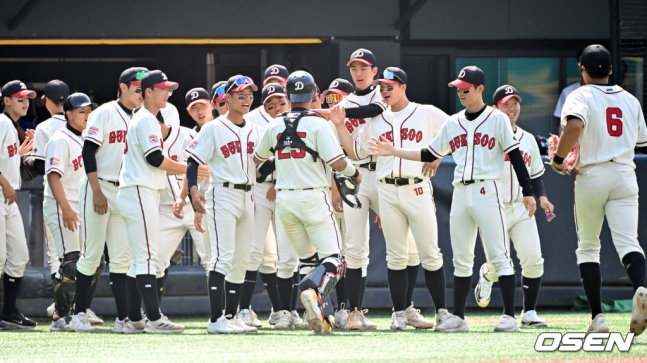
x,y
324,277
64,284
307,265
633,258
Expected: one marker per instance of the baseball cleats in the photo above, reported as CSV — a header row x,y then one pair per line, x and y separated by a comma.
x,y
60,325
223,325
316,320
304,322
81,323
51,309
442,315
134,327
248,316
119,325
285,321
530,318
354,320
598,325
341,316
236,321
367,324
483,289
3,326
639,312
399,320
17,320
453,324
507,324
274,317
295,318
163,326
416,320
93,318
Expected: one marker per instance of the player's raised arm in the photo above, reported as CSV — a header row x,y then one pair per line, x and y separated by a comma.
x,y
338,116
384,147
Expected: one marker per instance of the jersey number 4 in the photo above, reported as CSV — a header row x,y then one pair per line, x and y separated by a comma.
x,y
614,121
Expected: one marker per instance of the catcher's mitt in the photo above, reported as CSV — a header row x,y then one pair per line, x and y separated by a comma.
x,y
347,188
569,161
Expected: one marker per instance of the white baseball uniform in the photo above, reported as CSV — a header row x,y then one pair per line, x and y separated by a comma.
x,y
173,229
44,132
303,199
138,197
227,149
521,228
271,250
478,147
411,206
14,255
108,129
170,114
606,184
63,156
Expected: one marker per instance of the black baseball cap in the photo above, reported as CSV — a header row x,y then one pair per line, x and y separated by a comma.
x,y
239,82
391,75
157,79
56,91
596,57
275,71
271,90
196,95
504,93
17,89
362,55
78,100
340,86
133,76
468,77
218,91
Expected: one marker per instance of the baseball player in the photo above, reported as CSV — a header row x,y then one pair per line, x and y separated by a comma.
x,y
141,179
218,101
478,138
405,195
608,123
303,197
103,147
226,146
14,255
64,170
521,228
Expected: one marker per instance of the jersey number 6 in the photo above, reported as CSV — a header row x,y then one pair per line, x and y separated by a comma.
x,y
614,122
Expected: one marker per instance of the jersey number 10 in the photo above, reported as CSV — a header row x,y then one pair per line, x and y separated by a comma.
x,y
614,122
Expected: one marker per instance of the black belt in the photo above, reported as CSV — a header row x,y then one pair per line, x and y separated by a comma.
x,y
401,181
271,182
369,166
468,182
245,187
111,182
299,189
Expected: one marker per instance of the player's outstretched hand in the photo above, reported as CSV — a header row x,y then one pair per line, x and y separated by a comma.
x,y
100,203
338,115
324,112
197,222
531,205
358,179
26,146
546,205
70,219
271,194
30,133
9,194
177,208
429,169
198,201
204,173
381,147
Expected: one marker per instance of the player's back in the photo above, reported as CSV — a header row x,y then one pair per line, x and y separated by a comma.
x,y
144,137
613,124
108,128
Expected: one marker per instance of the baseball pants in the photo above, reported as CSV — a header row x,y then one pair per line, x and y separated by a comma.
x,y
263,254
66,241
173,229
52,256
14,255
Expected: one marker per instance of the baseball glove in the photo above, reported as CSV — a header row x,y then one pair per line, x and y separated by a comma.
x,y
347,189
27,172
569,161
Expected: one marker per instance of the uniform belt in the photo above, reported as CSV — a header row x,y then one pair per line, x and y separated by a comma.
x,y
401,181
271,182
300,189
369,166
115,183
245,187
468,182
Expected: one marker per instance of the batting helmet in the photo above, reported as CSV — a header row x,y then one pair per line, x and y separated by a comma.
x,y
300,87
78,100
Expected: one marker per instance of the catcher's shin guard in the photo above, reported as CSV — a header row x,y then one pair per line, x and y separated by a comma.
x,y
322,280
64,284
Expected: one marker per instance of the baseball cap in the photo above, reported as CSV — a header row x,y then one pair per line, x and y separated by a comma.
x,y
362,55
391,75
218,91
157,79
196,95
78,100
17,89
56,91
271,90
468,77
596,57
504,93
275,71
340,86
133,75
238,83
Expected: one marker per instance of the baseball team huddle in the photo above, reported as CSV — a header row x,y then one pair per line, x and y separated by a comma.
x,y
285,190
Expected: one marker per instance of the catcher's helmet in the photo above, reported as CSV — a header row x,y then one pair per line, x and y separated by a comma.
x,y
300,87
78,100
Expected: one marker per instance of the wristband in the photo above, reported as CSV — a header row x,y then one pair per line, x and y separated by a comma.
x,y
558,160
349,170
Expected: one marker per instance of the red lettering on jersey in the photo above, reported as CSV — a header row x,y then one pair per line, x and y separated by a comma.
x,y
463,140
293,153
477,138
492,143
388,135
349,127
12,150
410,134
77,163
507,157
232,147
118,136
250,147
452,146
485,140
225,151
174,157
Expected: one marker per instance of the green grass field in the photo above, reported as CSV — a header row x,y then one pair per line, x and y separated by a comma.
x,y
195,345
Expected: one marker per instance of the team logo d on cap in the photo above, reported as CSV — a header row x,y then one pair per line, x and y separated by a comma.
x,y
340,86
275,71
133,76
362,55
468,77
239,82
17,89
392,75
56,91
157,79
300,87
596,57
218,91
504,93
197,95
271,90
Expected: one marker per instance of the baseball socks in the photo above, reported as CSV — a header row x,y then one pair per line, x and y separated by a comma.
x,y
462,287
161,284
435,281
134,299
247,290
296,278
353,282
362,292
342,294
11,287
147,287
93,288
398,283
232,297
412,276
82,288
285,287
530,292
118,287
216,283
591,278
634,263
270,283
508,285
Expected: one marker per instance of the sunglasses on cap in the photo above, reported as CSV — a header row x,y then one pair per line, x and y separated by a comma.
x,y
137,76
391,76
334,98
219,92
241,81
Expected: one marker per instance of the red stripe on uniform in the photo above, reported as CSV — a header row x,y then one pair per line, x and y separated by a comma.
x,y
473,151
215,226
85,228
145,230
60,228
332,217
502,224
